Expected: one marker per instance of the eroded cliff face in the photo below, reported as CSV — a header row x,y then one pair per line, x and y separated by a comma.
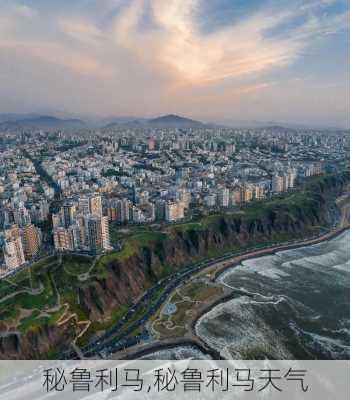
x,y
37,343
126,280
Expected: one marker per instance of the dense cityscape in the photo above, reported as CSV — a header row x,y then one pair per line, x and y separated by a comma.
x,y
62,191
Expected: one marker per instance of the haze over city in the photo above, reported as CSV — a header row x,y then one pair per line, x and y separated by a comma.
x,y
218,60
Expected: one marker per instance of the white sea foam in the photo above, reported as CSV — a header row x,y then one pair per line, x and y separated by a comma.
x,y
333,346
343,267
273,273
238,326
241,331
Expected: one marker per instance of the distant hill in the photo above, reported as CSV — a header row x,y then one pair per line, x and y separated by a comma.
x,y
41,122
174,120
165,121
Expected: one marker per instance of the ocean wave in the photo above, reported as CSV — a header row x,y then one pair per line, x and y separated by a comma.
x,y
237,332
334,347
281,296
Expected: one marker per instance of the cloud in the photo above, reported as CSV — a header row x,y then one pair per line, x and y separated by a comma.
x,y
174,42
18,35
81,30
147,54
193,57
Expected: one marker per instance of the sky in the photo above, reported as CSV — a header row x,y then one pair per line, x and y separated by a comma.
x,y
216,60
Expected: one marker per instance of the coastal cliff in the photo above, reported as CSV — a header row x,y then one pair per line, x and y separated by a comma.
x,y
120,278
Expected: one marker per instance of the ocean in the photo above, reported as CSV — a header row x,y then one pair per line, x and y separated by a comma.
x,y
291,305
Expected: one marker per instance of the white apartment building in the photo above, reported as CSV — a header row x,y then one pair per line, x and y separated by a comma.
x,y
13,253
277,183
223,198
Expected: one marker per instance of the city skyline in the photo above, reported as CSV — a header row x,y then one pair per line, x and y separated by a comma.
x,y
211,60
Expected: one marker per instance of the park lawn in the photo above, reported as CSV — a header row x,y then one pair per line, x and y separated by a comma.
x,y
28,301
76,265
187,226
198,291
119,232
169,333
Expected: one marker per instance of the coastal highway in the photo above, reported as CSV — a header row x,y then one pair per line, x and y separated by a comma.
x,y
121,337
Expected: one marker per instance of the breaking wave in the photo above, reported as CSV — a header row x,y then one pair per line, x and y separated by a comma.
x,y
294,304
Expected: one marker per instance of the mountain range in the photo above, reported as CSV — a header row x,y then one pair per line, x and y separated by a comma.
x,y
32,121
62,121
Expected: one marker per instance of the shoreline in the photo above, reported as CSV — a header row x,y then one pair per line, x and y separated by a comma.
x,y
191,339
238,260
275,249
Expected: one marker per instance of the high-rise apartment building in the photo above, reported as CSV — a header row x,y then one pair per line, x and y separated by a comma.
x,y
90,205
63,239
210,200
237,196
67,213
56,220
31,241
249,191
13,248
184,196
98,233
259,192
160,210
151,144
292,175
13,233
123,210
277,183
13,253
95,205
84,205
80,223
223,197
